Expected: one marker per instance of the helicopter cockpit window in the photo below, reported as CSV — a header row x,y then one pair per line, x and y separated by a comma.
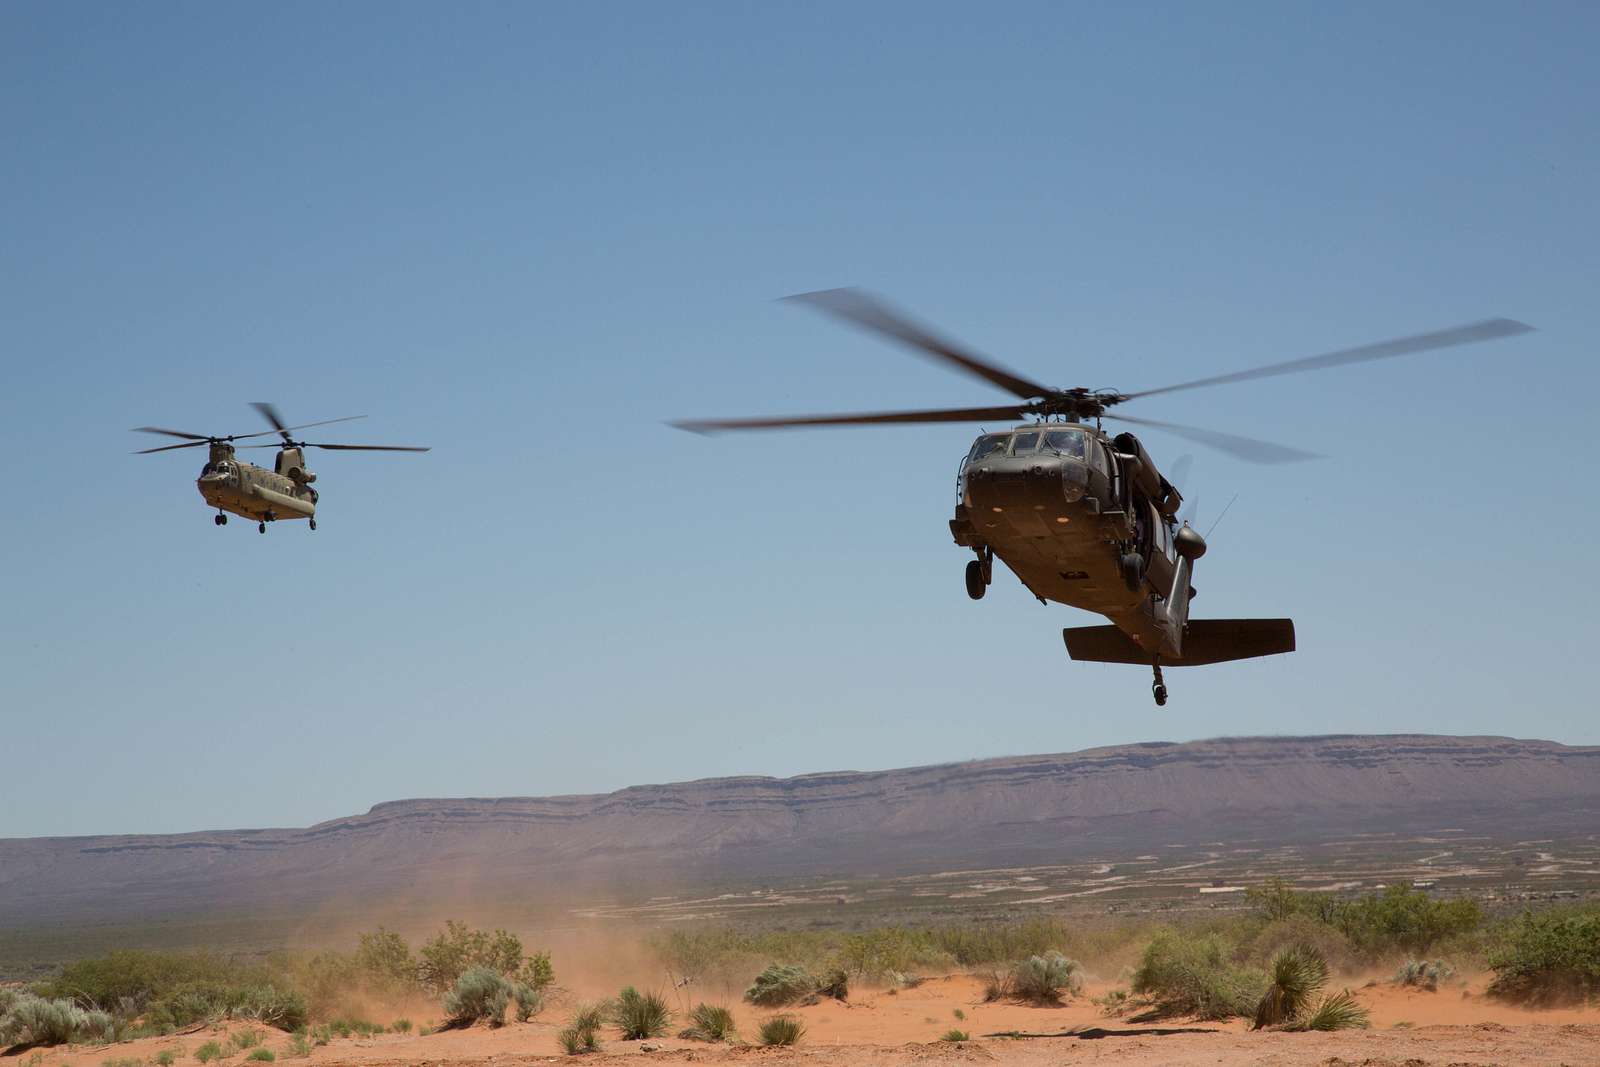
x,y
1066,442
988,446
1025,443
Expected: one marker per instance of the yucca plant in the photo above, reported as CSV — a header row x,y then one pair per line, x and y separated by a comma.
x,y
641,1015
782,1030
1294,978
711,1023
1338,1012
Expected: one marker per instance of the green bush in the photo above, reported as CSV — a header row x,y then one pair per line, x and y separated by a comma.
x,y
1398,918
1423,974
261,1055
1043,979
781,984
1296,974
401,1026
581,1033
209,1051
530,1001
33,1020
1192,975
641,1015
166,1058
711,1023
459,949
246,1038
299,1046
782,1030
955,1035
481,993
1548,958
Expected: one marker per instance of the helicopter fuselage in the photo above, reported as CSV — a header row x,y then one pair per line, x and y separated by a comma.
x,y
1061,505
231,485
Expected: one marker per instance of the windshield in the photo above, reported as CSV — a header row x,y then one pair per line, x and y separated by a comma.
x,y
1067,442
988,446
1025,443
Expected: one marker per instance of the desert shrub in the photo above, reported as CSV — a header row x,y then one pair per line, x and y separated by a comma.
x,y
529,1001
1042,979
299,1046
1258,947
401,1026
481,993
209,1051
1549,957
33,1020
1191,975
782,1030
582,1032
1398,918
640,1015
384,960
126,1061
166,1058
781,984
997,986
955,1035
459,949
246,1038
711,1023
1423,974
1338,1012
261,1055
1296,974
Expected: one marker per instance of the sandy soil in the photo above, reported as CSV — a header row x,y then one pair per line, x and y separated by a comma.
x,y
1455,1026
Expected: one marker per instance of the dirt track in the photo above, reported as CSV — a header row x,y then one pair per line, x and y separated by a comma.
x,y
1456,1026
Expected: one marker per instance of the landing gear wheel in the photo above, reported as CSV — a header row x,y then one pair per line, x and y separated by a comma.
x,y
261,527
976,586
313,524
1159,691
1132,565
220,519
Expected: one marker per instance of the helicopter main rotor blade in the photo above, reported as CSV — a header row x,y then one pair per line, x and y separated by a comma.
x,y
172,433
272,415
868,312
349,448
1487,330
186,444
873,418
1247,448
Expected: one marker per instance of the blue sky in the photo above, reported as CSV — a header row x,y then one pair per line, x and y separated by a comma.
x,y
527,234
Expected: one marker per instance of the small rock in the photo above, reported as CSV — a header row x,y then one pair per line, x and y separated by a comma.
x,y
647,1047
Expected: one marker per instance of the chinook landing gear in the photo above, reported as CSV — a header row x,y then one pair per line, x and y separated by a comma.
x,y
1158,688
1132,565
980,572
220,519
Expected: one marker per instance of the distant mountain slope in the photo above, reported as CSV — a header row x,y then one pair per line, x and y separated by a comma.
x,y
1012,810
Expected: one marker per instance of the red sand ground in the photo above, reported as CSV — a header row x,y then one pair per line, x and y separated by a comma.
x,y
1456,1026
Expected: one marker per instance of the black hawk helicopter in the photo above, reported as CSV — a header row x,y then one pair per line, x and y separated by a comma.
x,y
1082,517
252,492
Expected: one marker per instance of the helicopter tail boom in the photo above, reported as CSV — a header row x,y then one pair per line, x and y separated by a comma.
x,y
1204,641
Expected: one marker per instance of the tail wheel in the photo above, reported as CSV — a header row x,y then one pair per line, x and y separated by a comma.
x,y
1132,565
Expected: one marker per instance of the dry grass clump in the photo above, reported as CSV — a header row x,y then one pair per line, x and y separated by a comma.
x,y
711,1023
582,1032
782,1030
640,1015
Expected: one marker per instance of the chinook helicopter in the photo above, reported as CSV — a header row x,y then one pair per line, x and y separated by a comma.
x,y
1084,517
231,485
